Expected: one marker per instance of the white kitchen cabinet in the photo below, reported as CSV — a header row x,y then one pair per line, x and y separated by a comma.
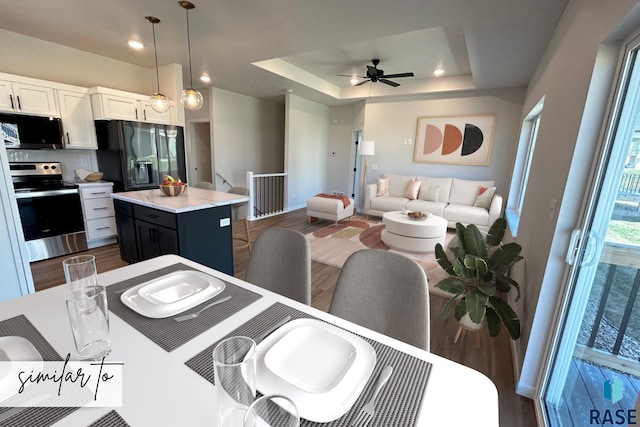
x,y
99,216
77,119
21,97
110,104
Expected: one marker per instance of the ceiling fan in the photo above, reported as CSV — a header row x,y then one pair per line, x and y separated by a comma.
x,y
376,75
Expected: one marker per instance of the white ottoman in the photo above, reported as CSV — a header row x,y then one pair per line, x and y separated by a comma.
x,y
328,208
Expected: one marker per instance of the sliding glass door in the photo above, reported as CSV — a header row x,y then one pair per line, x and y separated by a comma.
x,y
595,368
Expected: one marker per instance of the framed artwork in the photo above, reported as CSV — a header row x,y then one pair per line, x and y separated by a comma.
x,y
455,140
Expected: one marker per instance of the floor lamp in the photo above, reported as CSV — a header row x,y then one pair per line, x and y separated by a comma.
x,y
367,148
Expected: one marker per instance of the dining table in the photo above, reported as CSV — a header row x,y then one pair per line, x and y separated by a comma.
x,y
161,382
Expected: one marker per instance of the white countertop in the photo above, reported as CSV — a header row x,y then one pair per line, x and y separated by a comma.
x,y
160,390
192,199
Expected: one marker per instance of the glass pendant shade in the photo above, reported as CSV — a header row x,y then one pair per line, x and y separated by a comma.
x,y
160,103
191,99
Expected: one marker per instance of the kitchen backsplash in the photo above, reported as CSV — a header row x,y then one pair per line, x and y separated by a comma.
x,y
70,159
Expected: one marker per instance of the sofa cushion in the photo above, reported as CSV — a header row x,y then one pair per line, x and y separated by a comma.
x,y
398,184
483,199
388,203
464,192
429,193
437,208
466,214
412,190
383,187
443,183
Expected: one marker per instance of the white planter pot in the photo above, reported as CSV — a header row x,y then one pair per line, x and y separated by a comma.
x,y
467,323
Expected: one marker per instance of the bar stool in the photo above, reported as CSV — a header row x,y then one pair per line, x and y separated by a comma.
x,y
240,211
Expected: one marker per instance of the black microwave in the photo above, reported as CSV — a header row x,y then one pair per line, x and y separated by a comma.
x,y
30,132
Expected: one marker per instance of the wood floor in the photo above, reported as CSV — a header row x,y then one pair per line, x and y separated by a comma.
x,y
491,356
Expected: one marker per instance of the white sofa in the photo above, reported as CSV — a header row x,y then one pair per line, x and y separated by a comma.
x,y
455,203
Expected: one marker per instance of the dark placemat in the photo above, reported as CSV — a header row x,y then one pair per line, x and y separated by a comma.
x,y
168,333
110,419
31,417
399,401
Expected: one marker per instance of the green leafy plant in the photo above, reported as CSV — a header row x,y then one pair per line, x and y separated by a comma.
x,y
478,277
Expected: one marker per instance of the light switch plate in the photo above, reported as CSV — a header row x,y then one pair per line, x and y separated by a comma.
x,y
225,222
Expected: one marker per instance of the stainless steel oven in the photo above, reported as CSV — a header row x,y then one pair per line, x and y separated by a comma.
x,y
50,210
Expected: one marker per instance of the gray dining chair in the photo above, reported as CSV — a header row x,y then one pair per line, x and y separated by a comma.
x,y
240,212
386,292
281,262
204,185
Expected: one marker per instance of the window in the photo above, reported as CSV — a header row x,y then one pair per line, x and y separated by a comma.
x,y
520,177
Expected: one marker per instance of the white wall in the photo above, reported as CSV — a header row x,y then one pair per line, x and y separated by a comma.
x,y
388,124
197,116
563,77
306,149
30,57
247,135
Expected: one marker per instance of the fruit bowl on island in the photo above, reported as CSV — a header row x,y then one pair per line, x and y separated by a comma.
x,y
172,187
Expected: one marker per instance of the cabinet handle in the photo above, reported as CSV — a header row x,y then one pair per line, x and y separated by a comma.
x,y
68,139
103,228
19,106
152,216
136,113
99,192
100,209
145,114
11,99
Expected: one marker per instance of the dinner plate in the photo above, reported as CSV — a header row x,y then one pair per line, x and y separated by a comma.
x,y
14,349
172,293
321,368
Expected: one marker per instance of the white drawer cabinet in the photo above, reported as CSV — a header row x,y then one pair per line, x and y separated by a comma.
x,y
99,216
110,104
77,119
19,97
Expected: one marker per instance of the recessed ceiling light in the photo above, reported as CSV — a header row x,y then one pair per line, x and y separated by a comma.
x,y
438,72
354,81
205,78
135,44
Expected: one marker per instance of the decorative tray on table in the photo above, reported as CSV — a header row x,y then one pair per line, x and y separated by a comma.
x,y
419,215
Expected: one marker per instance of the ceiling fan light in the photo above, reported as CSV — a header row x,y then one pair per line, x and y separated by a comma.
x,y
191,99
160,103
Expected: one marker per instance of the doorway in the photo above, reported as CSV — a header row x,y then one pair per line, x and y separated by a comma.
x,y
201,134
594,374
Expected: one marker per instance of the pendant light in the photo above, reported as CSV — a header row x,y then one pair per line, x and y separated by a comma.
x,y
190,98
159,102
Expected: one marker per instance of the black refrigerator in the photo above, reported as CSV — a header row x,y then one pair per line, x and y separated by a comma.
x,y
137,156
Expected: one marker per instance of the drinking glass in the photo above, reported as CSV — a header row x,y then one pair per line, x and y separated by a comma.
x,y
234,366
89,319
80,272
272,411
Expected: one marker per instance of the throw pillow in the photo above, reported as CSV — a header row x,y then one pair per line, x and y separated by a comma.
x,y
383,187
483,199
429,193
412,189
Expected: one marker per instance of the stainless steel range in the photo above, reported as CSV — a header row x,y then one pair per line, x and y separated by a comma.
x,y
50,210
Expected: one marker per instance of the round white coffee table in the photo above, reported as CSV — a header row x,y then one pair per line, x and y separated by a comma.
x,y
412,235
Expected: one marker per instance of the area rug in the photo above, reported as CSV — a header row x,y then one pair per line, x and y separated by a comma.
x,y
333,245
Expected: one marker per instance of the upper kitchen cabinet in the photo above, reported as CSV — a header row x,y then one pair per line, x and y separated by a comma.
x,y
23,97
110,104
77,119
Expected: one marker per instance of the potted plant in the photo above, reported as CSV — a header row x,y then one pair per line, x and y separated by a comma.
x,y
478,277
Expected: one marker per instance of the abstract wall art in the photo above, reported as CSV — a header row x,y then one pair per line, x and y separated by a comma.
x,y
460,140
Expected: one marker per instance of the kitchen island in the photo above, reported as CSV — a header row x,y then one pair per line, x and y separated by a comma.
x,y
195,225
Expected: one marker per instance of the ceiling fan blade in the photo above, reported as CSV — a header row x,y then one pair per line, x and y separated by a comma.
x,y
389,82
350,75
363,82
395,76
